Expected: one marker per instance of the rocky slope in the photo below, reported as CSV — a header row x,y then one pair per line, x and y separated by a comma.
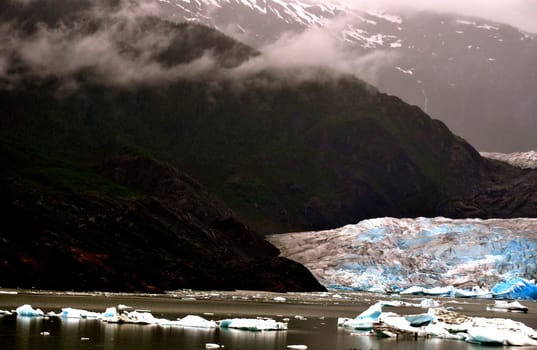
x,y
142,226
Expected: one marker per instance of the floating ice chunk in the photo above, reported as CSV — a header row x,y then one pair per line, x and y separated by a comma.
x,y
413,290
516,288
253,324
504,306
78,313
122,307
427,303
474,293
44,333
196,322
5,313
279,299
138,317
297,347
213,346
110,315
27,310
365,320
484,335
372,313
419,320
439,291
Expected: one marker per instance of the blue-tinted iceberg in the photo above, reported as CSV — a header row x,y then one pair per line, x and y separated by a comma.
x,y
516,288
365,320
390,253
29,311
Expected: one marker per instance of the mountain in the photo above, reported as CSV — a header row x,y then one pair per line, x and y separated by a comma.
x,y
475,75
134,224
430,252
105,112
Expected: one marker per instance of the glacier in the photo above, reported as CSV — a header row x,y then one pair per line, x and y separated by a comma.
x,y
394,254
524,160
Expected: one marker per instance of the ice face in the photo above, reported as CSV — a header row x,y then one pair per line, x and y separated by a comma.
x,y
428,252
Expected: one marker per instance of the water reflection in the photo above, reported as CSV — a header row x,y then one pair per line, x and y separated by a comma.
x,y
268,340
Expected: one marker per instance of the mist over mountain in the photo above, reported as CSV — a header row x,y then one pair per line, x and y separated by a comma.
x,y
105,110
474,74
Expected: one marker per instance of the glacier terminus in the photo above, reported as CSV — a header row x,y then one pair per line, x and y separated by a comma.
x,y
387,254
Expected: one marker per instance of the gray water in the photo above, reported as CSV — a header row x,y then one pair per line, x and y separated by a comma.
x,y
316,328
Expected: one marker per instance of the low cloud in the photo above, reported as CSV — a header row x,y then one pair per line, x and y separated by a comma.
x,y
123,48
301,54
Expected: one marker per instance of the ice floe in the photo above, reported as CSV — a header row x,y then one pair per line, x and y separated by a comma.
x,y
442,323
194,321
253,324
505,306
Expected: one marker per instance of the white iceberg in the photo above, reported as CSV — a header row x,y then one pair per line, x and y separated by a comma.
x,y
110,315
138,317
29,311
365,320
505,306
195,322
78,313
253,324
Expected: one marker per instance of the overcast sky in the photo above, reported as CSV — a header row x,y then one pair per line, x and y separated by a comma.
x,y
519,13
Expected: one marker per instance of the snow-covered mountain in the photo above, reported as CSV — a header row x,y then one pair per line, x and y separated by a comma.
x,y
478,76
524,160
429,252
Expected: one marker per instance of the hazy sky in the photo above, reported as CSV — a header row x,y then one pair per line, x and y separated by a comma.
x,y
519,13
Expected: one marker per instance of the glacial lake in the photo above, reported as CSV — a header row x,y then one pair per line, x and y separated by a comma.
x,y
312,321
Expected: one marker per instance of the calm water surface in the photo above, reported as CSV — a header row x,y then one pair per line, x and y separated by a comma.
x,y
318,330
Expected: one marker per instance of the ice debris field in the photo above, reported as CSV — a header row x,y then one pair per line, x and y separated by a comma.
x,y
439,322
494,258
444,324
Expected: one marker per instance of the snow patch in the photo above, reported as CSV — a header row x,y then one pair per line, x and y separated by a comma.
x,y
524,160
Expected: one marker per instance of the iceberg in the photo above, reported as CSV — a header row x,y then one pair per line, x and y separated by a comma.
x,y
516,288
253,324
195,322
138,317
419,320
504,306
78,313
110,315
365,320
418,255
447,324
27,310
